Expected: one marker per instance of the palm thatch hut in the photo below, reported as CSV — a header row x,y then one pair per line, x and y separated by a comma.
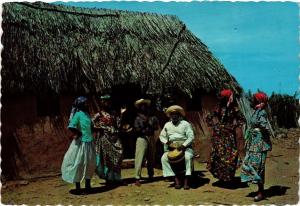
x,y
52,53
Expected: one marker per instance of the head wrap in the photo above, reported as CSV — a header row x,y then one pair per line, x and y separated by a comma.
x,y
228,94
261,98
77,105
105,97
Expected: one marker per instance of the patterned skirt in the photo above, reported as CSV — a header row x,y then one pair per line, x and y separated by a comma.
x,y
253,167
109,156
223,157
79,162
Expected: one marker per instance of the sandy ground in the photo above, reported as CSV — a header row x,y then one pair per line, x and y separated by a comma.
x,y
281,186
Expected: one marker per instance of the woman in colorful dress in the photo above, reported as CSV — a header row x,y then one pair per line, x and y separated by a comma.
x,y
224,121
79,161
257,145
109,150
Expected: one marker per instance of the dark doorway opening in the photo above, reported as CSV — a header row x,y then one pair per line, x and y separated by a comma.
x,y
125,96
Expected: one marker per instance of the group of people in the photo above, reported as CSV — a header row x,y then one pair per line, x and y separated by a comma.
x,y
96,146
227,123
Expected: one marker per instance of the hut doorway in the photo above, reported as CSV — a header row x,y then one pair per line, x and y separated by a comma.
x,y
125,96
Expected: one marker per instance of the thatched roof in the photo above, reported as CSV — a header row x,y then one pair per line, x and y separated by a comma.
x,y
70,50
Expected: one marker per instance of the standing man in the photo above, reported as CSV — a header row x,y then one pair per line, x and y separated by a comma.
x,y
179,134
144,126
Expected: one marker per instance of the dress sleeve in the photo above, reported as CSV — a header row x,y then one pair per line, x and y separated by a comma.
x,y
74,123
189,132
163,135
262,121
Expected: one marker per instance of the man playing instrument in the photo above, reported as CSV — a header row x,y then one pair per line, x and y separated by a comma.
x,y
177,134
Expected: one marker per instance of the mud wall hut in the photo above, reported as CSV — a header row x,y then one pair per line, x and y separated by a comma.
x,y
52,53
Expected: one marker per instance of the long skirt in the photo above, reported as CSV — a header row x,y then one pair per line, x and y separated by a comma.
x,y
109,156
223,156
253,167
79,162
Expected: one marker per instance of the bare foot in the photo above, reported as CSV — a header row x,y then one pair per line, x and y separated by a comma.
x,y
137,183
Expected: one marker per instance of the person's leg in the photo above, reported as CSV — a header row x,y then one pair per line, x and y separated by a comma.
x,y
177,181
260,195
188,168
77,185
87,184
166,167
260,185
188,162
186,185
167,170
141,146
150,157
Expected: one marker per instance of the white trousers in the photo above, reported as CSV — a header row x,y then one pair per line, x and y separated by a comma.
x,y
167,170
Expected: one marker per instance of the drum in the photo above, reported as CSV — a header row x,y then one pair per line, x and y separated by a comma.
x,y
175,156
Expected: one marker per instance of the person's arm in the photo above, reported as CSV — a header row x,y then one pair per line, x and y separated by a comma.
x,y
99,125
262,123
240,120
73,127
74,133
163,136
154,123
137,124
189,132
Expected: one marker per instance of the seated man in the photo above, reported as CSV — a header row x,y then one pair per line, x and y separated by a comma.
x,y
177,133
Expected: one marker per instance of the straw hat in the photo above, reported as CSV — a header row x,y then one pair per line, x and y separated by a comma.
x,y
175,108
142,101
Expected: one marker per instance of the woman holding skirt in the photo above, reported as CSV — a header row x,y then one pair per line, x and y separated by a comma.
x,y
109,150
257,145
224,121
79,161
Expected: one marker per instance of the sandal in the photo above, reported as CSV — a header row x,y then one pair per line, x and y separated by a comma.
x,y
258,198
186,187
177,186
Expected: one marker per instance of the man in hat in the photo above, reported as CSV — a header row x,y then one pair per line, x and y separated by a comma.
x,y
179,134
144,126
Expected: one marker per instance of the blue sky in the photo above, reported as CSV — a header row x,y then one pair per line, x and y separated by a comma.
x,y
257,42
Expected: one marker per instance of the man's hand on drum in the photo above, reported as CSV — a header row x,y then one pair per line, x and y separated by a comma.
x,y
181,147
171,145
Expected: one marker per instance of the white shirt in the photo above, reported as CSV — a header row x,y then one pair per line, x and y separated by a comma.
x,y
183,131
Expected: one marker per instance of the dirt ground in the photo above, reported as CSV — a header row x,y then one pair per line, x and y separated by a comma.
x,y
281,186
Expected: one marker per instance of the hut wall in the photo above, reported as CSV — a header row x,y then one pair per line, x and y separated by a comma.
x,y
31,145
202,142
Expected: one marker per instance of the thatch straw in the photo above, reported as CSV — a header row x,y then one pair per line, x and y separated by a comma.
x,y
60,49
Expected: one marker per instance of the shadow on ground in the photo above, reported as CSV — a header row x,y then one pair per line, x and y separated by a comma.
x,y
272,191
234,184
93,190
196,180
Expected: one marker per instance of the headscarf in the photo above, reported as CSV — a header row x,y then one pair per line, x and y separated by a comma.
x,y
228,94
261,98
77,105
105,97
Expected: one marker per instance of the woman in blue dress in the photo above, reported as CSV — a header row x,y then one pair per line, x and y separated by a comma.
x,y
257,145
79,161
